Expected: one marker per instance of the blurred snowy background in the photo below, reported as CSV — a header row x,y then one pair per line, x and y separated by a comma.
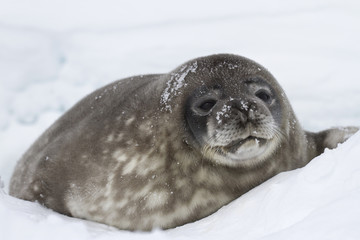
x,y
52,53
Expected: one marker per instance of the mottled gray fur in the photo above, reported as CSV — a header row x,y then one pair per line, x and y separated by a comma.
x,y
159,151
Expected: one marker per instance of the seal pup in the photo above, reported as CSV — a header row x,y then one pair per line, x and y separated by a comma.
x,y
160,151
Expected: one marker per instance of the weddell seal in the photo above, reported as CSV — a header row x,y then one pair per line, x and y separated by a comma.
x,y
159,151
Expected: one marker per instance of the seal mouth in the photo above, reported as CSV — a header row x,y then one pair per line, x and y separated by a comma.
x,y
234,146
243,151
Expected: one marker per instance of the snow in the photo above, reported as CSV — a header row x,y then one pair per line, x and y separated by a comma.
x,y
52,53
175,84
222,113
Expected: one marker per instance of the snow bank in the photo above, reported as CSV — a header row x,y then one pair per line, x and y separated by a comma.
x,y
319,201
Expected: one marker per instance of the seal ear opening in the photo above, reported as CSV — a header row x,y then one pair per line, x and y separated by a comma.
x,y
330,138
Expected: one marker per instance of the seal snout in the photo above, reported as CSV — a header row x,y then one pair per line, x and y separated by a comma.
x,y
244,111
240,110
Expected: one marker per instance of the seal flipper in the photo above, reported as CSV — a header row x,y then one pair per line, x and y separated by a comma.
x,y
330,138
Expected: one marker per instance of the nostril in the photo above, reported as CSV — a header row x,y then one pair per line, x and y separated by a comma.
x,y
239,115
240,105
242,110
242,117
251,114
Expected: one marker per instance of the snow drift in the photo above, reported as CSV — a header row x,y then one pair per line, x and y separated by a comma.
x,y
52,53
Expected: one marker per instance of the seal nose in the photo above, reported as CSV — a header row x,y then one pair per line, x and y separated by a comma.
x,y
241,109
242,117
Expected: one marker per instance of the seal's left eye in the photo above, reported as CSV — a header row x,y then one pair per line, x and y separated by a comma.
x,y
207,105
263,95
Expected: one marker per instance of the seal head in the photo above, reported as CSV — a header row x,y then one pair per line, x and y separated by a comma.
x,y
237,128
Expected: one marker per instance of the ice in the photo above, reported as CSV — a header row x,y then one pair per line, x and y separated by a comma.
x,y
53,53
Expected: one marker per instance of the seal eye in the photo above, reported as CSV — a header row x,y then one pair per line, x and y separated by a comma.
x,y
263,95
207,105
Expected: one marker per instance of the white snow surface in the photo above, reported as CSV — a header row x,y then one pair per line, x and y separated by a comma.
x,y
52,53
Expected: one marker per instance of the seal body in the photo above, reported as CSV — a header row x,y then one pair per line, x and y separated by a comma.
x,y
159,151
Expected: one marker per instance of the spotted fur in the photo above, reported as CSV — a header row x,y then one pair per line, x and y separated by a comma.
x,y
139,154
